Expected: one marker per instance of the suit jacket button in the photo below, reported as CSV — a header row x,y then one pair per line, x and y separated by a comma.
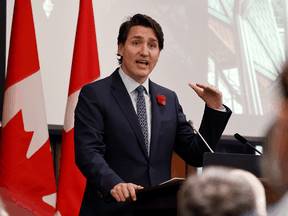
x,y
150,168
99,194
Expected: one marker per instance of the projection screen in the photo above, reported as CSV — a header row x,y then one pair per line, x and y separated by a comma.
x,y
238,46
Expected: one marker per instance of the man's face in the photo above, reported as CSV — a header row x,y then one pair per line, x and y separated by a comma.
x,y
140,53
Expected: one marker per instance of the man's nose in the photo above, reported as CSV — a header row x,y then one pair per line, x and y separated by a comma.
x,y
144,50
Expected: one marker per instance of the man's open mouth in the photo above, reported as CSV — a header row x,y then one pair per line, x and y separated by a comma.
x,y
142,62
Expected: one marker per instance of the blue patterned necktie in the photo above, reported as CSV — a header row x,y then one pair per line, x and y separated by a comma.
x,y
141,112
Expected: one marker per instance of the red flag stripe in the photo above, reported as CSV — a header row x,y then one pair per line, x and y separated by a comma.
x,y
26,167
24,49
85,65
85,69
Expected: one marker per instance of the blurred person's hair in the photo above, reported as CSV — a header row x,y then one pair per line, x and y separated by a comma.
x,y
258,190
284,80
274,160
270,164
215,192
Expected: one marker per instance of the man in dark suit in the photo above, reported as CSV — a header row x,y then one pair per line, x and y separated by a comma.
x,y
125,134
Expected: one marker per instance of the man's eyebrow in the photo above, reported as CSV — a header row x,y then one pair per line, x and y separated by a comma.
x,y
141,37
153,39
137,37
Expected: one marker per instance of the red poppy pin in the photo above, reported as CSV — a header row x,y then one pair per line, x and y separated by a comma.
x,y
161,99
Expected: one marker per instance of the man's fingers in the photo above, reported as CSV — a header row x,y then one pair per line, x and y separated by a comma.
x,y
205,88
209,94
132,191
138,187
115,194
133,194
201,85
123,191
212,88
192,85
195,88
118,199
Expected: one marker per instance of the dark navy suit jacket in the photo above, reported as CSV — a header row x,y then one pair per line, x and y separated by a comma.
x,y
109,144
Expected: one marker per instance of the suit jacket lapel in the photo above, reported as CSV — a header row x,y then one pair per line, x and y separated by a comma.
x,y
156,118
123,99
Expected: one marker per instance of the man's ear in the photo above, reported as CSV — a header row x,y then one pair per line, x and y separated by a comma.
x,y
120,49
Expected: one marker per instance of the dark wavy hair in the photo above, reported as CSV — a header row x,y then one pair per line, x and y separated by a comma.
x,y
139,20
284,80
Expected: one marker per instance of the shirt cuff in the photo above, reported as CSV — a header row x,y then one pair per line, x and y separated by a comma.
x,y
221,110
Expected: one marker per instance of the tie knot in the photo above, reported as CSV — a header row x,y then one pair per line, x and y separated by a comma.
x,y
140,89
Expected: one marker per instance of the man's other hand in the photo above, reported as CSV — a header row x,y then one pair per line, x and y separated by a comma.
x,y
123,191
209,94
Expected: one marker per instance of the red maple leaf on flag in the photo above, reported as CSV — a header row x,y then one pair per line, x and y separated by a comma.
x,y
26,179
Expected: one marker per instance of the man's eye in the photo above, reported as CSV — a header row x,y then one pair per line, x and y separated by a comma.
x,y
152,45
135,43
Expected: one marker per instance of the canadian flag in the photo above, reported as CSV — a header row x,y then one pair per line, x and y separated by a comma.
x,y
27,180
85,69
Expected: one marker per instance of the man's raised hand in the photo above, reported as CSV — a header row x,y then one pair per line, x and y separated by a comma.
x,y
209,94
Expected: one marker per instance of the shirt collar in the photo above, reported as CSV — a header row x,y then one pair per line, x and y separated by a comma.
x,y
130,83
